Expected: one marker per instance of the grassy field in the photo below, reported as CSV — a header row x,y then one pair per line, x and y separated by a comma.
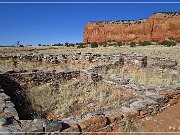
x,y
150,51
147,76
6,65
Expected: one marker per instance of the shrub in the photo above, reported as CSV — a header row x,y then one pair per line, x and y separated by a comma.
x,y
177,41
167,43
59,44
101,43
67,44
119,44
132,44
21,45
112,44
80,45
105,45
94,45
71,44
144,43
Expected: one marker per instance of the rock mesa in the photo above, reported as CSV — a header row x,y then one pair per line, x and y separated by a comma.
x,y
157,27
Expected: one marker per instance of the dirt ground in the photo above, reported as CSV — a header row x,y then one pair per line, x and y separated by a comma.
x,y
166,122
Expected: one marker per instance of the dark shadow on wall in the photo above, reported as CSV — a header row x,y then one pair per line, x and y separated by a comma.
x,y
18,97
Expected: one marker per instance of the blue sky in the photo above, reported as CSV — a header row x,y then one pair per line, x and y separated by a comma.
x,y
54,23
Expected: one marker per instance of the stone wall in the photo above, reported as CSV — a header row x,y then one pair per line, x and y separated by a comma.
x,y
139,100
145,102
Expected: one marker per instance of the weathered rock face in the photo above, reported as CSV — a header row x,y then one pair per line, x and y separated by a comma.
x,y
156,28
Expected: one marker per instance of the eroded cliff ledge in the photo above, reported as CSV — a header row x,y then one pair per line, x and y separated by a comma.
x,y
158,27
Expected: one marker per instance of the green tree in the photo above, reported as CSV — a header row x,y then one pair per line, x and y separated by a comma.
x,y
167,43
94,45
66,44
144,43
80,45
132,44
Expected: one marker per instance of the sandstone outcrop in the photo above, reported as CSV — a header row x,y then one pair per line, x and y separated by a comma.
x,y
157,27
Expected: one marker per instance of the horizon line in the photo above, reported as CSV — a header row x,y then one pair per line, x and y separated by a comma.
x,y
89,2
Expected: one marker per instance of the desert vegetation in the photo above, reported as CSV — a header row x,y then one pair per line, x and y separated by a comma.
x,y
73,97
148,77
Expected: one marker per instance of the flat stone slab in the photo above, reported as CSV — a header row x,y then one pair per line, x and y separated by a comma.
x,y
138,105
41,125
156,98
11,111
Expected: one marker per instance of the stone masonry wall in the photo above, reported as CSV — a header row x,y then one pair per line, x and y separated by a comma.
x,y
140,101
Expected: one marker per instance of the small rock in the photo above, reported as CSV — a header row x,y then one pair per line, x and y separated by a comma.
x,y
9,104
1,90
11,111
2,122
4,96
52,126
2,103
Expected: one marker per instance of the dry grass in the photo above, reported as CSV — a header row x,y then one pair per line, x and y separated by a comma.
x,y
146,76
74,97
6,65
150,51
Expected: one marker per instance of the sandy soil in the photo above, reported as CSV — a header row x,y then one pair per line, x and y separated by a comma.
x,y
166,121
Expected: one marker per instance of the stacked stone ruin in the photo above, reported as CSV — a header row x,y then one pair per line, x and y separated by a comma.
x,y
139,100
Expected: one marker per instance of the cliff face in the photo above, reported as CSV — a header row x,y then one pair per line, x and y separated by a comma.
x,y
156,28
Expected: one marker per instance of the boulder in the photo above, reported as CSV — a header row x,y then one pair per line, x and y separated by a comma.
x,y
138,105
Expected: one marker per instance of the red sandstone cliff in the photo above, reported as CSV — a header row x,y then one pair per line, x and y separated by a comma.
x,y
156,28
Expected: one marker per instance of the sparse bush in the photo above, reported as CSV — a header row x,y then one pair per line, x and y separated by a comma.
x,y
71,44
132,44
167,43
110,44
94,45
144,43
21,45
105,45
59,44
67,44
119,44
101,44
80,45
177,41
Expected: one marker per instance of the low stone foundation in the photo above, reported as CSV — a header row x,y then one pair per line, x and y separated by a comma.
x,y
139,100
